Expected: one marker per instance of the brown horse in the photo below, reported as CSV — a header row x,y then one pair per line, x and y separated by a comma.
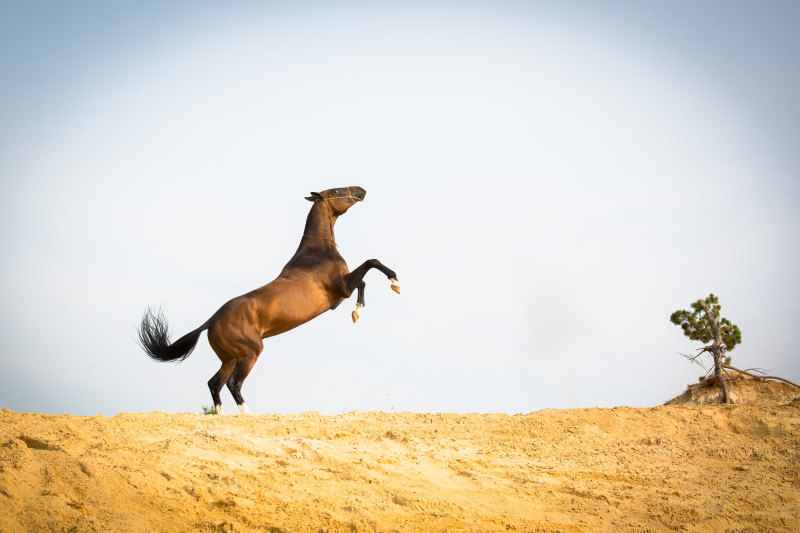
x,y
314,280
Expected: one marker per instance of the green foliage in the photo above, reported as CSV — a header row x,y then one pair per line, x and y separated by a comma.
x,y
208,410
696,323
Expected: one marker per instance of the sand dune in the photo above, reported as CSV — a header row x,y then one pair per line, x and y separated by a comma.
x,y
682,468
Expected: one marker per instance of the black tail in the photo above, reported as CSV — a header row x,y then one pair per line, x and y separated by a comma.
x,y
154,338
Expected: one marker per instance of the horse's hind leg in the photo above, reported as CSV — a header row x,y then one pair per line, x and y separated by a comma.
x,y
216,383
243,368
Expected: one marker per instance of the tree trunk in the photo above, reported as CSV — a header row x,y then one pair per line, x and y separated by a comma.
x,y
716,352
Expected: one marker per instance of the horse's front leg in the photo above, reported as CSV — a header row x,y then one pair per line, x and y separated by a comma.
x,y
355,280
359,302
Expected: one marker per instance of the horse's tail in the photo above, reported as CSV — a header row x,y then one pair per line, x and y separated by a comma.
x,y
154,338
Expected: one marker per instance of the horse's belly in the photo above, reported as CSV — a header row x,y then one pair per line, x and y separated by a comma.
x,y
289,310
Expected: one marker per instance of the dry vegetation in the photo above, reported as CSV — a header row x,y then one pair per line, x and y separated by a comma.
x,y
676,467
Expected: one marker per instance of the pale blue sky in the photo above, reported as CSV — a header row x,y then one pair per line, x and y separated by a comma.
x,y
549,181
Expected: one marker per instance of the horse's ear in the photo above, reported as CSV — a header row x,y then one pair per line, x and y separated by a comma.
x,y
315,197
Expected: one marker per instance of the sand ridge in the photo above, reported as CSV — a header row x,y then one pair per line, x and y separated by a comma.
x,y
681,468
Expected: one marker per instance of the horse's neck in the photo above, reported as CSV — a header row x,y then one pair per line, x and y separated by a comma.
x,y
320,221
318,233
317,246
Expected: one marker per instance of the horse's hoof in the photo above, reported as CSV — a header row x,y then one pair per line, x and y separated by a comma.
x,y
395,285
357,313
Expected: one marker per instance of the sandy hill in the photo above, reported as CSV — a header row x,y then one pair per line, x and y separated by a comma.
x,y
741,388
669,468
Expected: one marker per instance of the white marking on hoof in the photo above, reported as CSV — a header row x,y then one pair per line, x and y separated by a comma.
x,y
395,285
357,313
243,408
219,410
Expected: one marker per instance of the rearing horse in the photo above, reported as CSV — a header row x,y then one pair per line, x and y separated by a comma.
x,y
314,280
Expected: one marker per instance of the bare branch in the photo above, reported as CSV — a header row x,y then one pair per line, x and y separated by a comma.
x,y
757,370
777,378
694,359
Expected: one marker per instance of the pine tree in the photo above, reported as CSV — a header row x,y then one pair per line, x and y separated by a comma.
x,y
704,324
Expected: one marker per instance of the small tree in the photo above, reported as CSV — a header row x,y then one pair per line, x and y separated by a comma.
x,y
704,324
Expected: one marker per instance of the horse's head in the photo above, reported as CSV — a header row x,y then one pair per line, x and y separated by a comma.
x,y
340,199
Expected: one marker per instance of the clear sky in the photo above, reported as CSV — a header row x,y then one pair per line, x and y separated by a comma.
x,y
549,180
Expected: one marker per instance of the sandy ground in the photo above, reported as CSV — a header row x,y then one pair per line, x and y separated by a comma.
x,y
681,468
